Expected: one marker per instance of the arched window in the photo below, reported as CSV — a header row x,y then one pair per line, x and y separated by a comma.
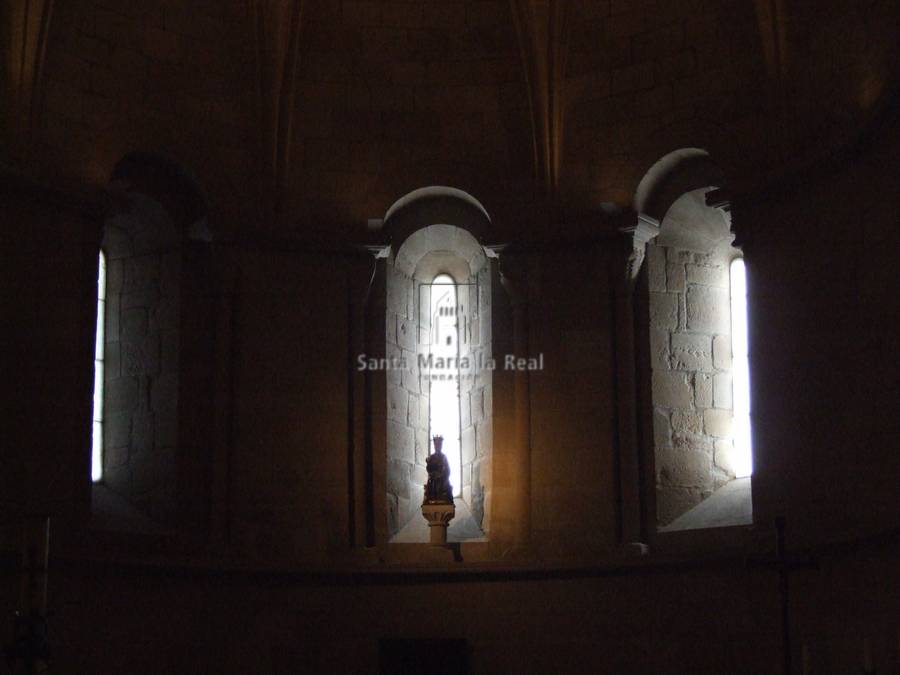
x,y
156,211
438,331
99,355
443,389
697,327
740,370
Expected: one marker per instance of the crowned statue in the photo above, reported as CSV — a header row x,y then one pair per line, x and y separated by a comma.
x,y
438,489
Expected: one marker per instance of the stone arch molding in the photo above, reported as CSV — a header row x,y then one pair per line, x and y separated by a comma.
x,y
155,205
673,175
432,224
679,203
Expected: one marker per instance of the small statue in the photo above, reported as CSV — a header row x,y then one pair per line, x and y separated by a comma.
x,y
438,489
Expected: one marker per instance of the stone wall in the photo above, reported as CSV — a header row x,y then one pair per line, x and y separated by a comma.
x,y
407,400
475,390
690,336
408,442
141,375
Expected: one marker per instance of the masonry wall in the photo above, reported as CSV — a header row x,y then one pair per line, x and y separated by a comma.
x,y
690,336
407,399
141,372
476,391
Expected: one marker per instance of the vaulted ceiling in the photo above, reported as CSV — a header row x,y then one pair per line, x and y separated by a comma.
x,y
307,117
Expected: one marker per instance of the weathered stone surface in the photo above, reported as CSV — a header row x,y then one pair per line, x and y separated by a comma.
x,y
722,390
390,327
483,437
116,429
397,403
664,310
477,404
675,278
113,318
398,478
401,442
672,389
406,334
465,412
141,357
467,445
115,457
708,309
659,349
703,390
686,420
142,431
684,469
686,441
412,415
662,430
671,502
409,376
707,275
656,268
722,352
678,255
691,351
112,364
134,323
121,394
115,275
422,445
725,456
717,422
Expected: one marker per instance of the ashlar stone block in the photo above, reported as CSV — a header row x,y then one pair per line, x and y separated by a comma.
x,y
708,309
722,352
691,351
717,422
656,268
707,275
687,421
684,468
662,429
725,456
703,390
722,390
397,403
675,278
659,349
401,442
664,310
406,333
672,389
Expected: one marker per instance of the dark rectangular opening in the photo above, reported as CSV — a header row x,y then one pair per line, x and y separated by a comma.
x,y
423,657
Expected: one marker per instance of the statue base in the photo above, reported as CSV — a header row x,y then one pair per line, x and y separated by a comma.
x,y
438,517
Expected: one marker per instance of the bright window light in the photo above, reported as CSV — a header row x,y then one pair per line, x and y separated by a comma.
x,y
444,400
743,465
99,344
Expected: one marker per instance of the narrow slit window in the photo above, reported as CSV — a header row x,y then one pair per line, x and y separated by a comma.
x,y
740,371
443,412
99,348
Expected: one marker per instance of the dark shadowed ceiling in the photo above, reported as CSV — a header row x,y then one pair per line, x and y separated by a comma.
x,y
305,118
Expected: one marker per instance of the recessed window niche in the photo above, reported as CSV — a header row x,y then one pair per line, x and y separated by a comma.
x,y
699,374
689,267
438,331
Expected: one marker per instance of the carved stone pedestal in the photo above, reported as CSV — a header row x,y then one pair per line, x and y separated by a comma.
x,y
438,517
